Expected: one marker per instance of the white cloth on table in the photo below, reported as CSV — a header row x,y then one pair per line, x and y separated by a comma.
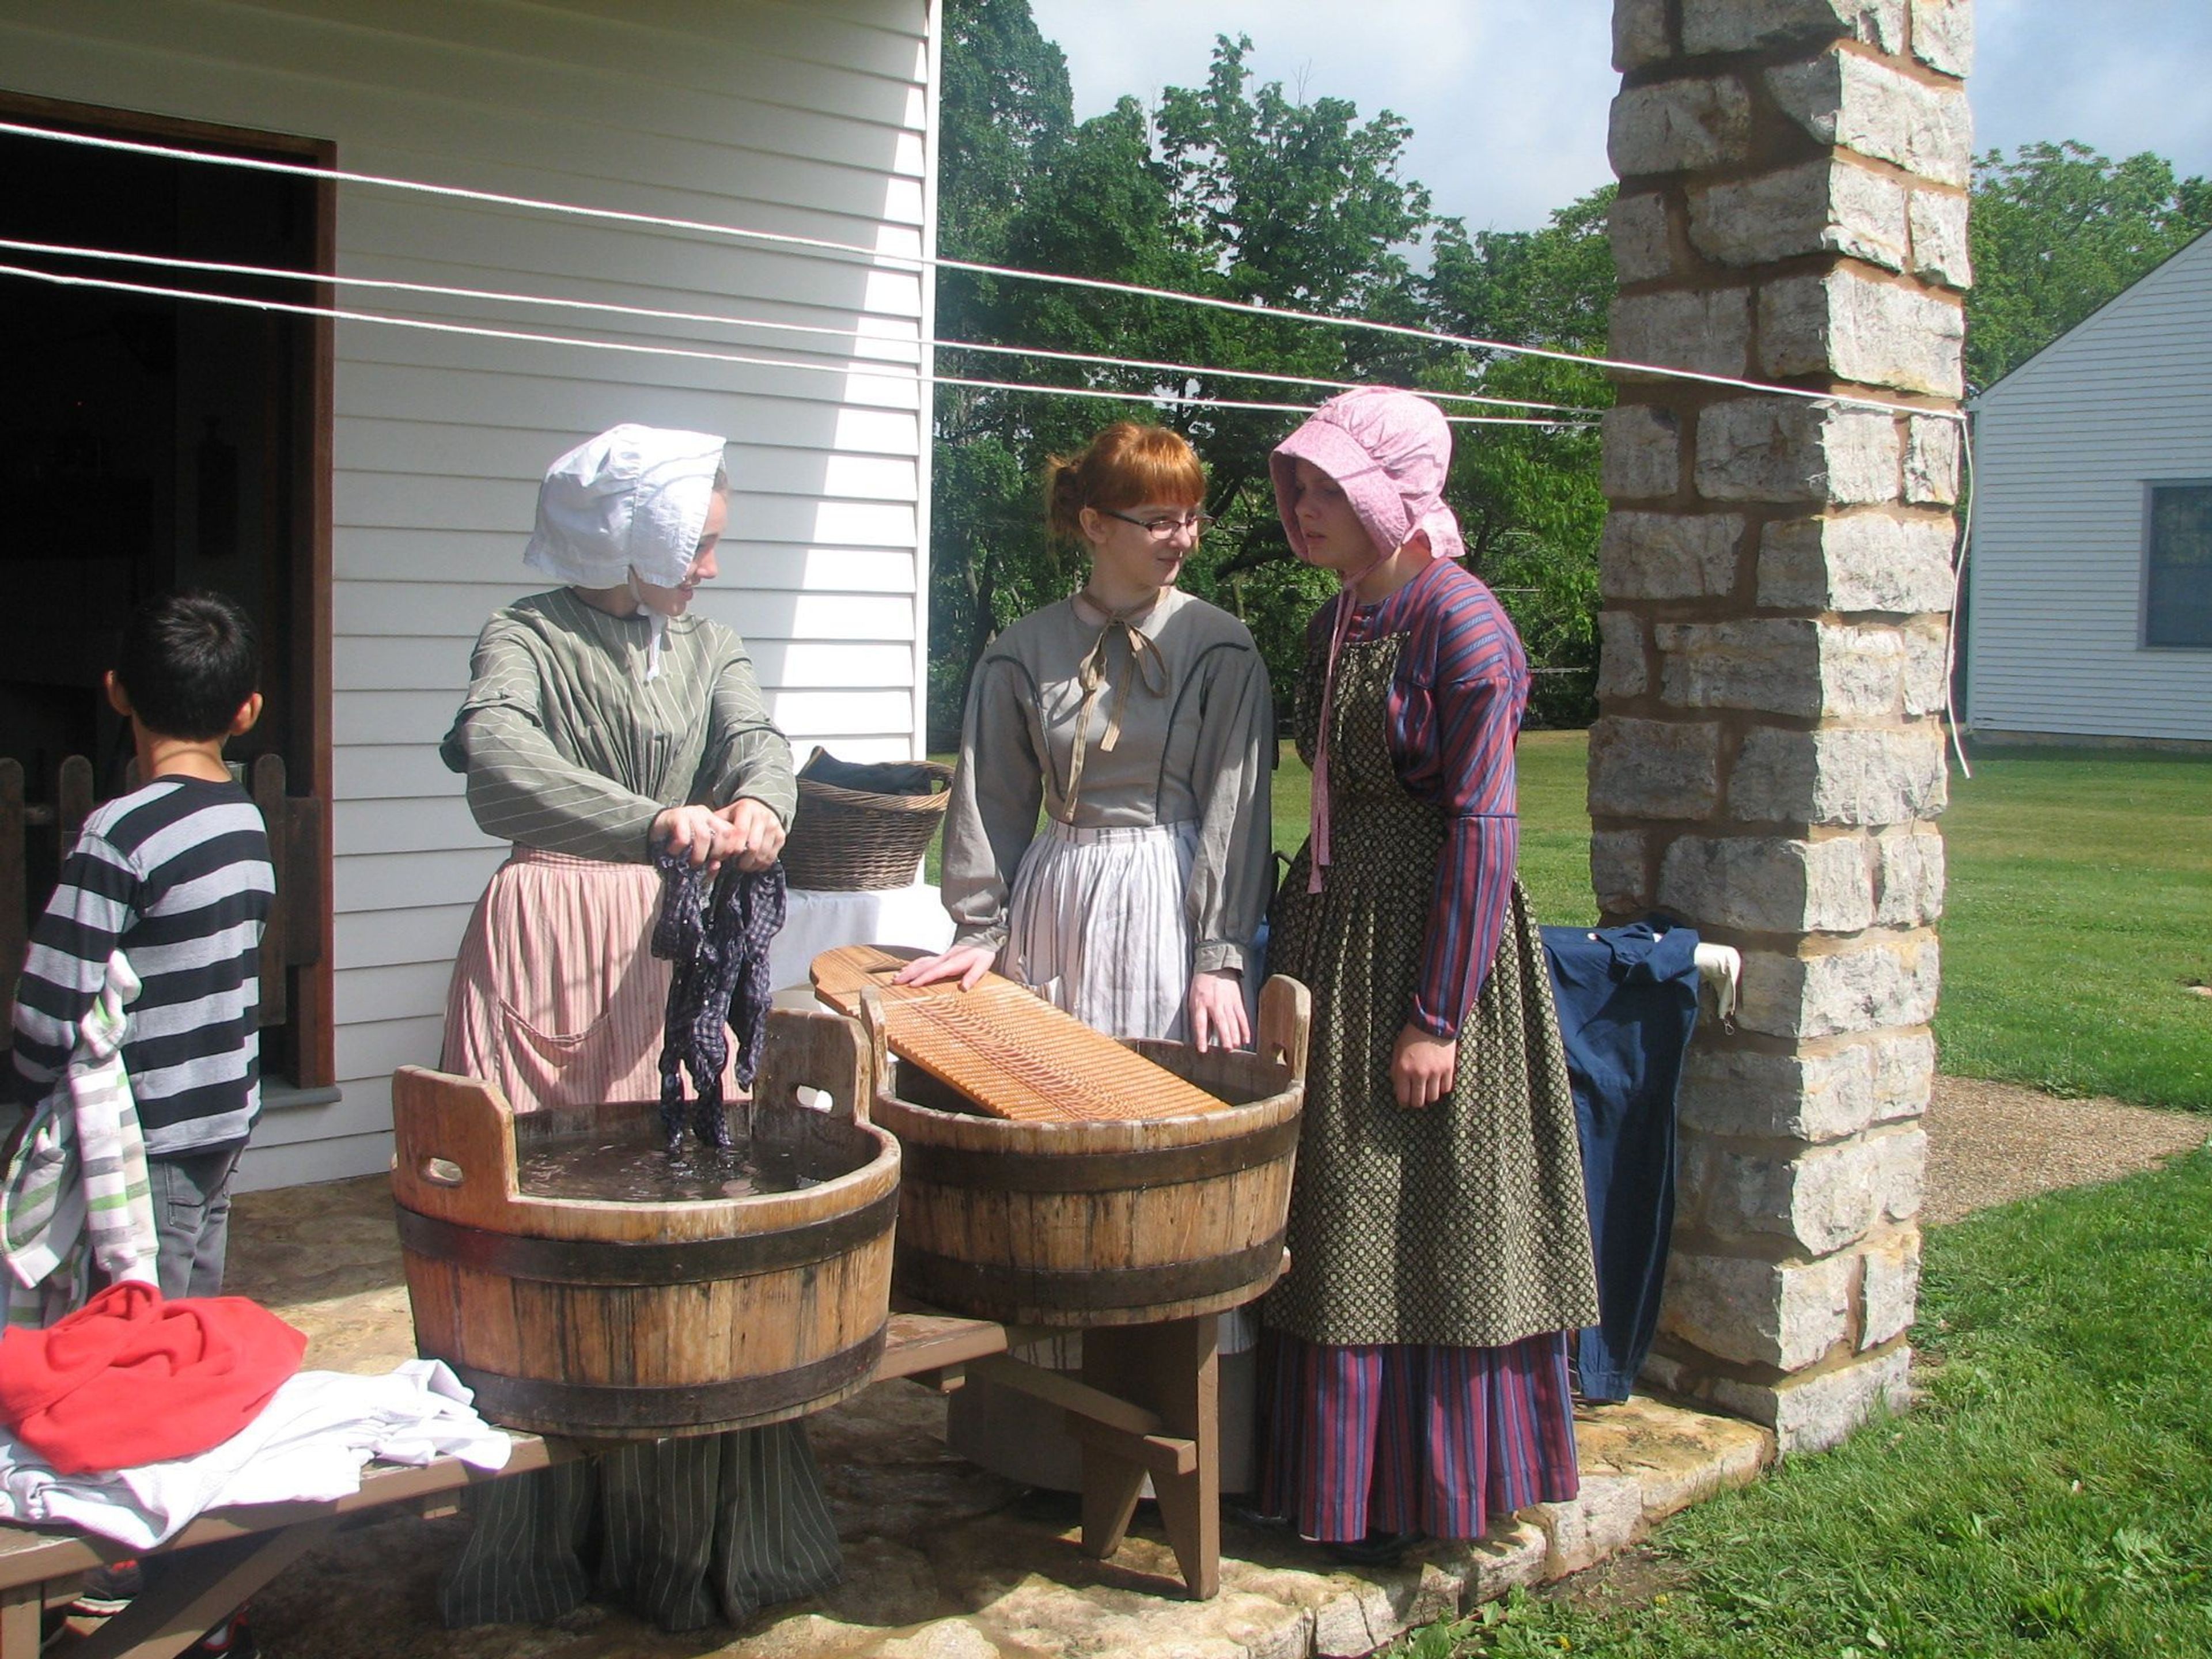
x,y
815,922
309,1444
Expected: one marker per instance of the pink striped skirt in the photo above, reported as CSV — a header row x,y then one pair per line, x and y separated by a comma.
x,y
556,996
1395,1438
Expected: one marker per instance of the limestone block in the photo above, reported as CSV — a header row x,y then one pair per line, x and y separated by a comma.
x,y
1677,126
1939,250
1826,206
1908,877
1602,1519
1667,555
1768,884
1823,1200
1927,668
1874,776
1848,325
1621,670
944,1638
1822,1409
1639,34
1811,1095
1618,874
1790,449
1781,665
1841,98
1642,768
1889,1292
1642,447
1755,1312
1884,982
1932,466
1356,1621
1707,330
1856,562
1746,25
1943,35
1511,1559
1638,228
1679,1456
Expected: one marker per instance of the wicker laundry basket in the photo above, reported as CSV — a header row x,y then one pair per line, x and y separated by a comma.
x,y
848,837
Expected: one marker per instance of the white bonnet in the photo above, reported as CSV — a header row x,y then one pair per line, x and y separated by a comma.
x,y
634,497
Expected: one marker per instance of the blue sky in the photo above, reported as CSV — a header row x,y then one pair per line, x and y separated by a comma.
x,y
1507,98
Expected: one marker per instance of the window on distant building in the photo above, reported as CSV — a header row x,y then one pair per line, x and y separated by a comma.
x,y
2178,579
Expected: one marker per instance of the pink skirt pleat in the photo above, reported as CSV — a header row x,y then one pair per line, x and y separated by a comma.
x,y
556,996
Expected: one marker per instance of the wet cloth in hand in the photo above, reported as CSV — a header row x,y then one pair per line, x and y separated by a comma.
x,y
130,1378
718,939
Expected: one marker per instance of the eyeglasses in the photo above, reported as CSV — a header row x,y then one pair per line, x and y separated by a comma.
x,y
1161,529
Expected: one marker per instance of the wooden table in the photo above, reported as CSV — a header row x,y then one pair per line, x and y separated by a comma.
x,y
1145,1404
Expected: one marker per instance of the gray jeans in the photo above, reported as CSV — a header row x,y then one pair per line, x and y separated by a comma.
x,y
192,1219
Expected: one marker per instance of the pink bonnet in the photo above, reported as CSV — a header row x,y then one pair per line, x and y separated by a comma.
x,y
1389,450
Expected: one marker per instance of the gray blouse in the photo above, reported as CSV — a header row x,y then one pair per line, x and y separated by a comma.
x,y
1193,725
569,748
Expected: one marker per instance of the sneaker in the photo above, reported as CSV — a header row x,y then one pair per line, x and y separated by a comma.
x,y
107,1590
233,1639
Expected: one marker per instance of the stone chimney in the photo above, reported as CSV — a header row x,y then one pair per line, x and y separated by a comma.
x,y
1775,574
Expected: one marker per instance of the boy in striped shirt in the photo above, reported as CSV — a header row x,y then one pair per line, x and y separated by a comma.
x,y
175,875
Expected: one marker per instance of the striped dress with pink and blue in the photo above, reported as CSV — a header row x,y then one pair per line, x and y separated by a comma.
x,y
1417,1378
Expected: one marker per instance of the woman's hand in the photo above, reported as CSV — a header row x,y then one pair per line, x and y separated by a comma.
x,y
695,832
1422,1069
1214,1011
968,962
755,836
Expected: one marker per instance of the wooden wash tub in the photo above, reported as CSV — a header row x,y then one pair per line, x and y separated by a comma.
x,y
621,1319
1097,1223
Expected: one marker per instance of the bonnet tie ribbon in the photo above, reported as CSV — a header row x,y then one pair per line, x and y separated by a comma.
x,y
1149,666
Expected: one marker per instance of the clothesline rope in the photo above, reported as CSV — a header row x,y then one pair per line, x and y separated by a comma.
x,y
909,345
921,262
888,371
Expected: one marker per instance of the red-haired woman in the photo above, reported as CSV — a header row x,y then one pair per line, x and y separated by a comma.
x,y
1140,718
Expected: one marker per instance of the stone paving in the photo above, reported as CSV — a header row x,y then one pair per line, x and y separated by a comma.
x,y
943,1560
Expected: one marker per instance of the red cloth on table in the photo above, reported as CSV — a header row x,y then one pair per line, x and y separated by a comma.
x,y
129,1379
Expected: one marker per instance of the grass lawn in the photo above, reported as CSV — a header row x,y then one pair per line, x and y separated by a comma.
x,y
2051,1494
2080,908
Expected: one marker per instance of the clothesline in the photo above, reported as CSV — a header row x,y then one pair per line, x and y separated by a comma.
x,y
912,347
828,248
893,372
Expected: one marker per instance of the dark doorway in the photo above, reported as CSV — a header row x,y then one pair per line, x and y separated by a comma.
x,y
160,443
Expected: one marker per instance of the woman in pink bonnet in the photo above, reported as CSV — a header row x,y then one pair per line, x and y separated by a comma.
x,y
1440,1251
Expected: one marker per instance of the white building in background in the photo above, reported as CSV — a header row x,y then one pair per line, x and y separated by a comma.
x,y
370,488
2090,614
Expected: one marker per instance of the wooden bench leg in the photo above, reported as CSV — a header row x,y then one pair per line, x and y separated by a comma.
x,y
195,1588
1172,1371
21,1606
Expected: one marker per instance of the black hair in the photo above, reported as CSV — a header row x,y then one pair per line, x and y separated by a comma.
x,y
188,660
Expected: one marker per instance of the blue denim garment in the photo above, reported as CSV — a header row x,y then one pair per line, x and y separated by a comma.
x,y
1628,1002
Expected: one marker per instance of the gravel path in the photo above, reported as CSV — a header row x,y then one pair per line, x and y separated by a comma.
x,y
1990,1143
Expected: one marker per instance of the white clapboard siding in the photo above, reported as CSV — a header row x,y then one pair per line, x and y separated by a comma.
x,y
2065,447
806,118
810,118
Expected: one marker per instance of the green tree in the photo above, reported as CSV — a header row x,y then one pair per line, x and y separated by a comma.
x,y
1225,190
2056,231
1528,497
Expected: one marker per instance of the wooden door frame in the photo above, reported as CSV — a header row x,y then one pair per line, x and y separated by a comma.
x,y
310,645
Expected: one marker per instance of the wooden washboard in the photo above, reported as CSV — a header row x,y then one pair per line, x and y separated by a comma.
x,y
1006,1049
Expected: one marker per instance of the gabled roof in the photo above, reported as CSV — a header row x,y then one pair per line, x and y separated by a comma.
x,y
2182,261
